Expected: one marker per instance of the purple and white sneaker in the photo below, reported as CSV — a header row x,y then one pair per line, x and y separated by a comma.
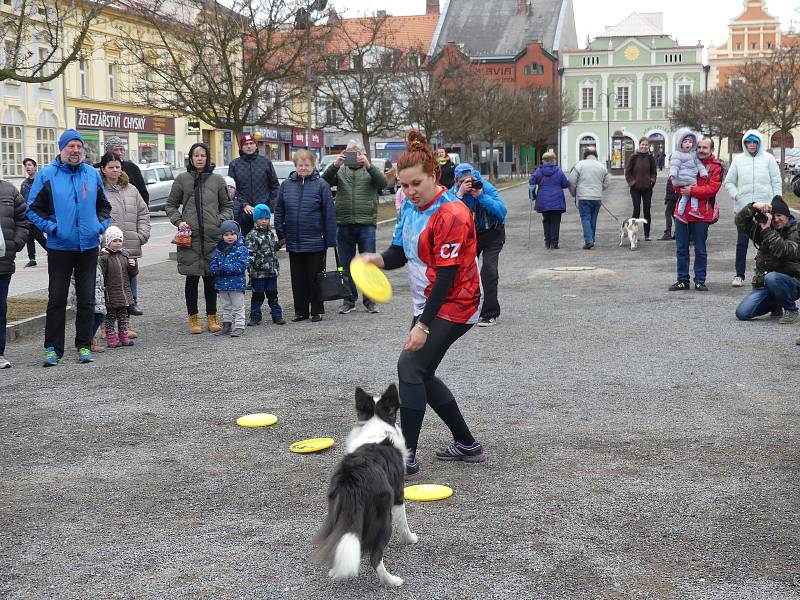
x,y
412,469
472,454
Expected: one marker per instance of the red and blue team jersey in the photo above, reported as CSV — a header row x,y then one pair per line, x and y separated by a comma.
x,y
442,235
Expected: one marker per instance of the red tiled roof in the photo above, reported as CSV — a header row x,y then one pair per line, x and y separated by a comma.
x,y
401,32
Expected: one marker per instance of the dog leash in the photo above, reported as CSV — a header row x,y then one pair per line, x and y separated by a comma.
x,y
612,214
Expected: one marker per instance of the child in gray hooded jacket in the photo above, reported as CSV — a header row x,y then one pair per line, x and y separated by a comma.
x,y
684,169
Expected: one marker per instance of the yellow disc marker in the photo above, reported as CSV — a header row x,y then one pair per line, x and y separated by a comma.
x,y
257,420
370,281
427,492
312,445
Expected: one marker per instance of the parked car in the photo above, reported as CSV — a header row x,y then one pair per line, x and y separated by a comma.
x,y
324,163
283,169
158,178
388,169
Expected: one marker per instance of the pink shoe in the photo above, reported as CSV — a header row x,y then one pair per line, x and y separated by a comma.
x,y
112,340
124,339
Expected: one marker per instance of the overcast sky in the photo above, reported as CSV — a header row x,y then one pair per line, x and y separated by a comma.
x,y
686,20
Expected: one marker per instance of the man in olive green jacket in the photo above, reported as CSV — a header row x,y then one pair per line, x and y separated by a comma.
x,y
357,189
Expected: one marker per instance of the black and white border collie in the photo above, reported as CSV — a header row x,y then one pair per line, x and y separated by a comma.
x,y
633,229
366,492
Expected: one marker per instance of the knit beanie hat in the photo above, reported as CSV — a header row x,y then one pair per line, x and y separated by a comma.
x,y
261,211
779,207
113,233
244,139
67,137
230,181
114,142
230,225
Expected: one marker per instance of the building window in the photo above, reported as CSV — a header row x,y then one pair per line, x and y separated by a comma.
x,y
738,45
656,96
112,81
534,69
587,98
10,151
83,71
331,113
414,60
623,97
684,91
45,145
9,53
46,66
672,58
769,45
753,46
589,61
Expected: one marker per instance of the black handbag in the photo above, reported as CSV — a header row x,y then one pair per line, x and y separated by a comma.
x,y
333,285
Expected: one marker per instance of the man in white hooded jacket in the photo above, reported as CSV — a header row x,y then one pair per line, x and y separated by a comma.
x,y
754,176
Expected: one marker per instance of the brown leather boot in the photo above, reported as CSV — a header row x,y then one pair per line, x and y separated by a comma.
x,y
194,324
213,326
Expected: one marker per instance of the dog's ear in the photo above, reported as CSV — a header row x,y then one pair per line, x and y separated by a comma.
x,y
365,405
388,405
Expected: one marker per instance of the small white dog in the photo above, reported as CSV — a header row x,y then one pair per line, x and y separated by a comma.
x,y
632,228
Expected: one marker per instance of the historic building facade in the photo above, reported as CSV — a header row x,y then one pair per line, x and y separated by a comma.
x,y
623,85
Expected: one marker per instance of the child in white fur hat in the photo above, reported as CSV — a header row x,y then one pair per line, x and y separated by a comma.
x,y
118,268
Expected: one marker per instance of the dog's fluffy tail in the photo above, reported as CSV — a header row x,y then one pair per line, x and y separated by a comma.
x,y
347,557
339,539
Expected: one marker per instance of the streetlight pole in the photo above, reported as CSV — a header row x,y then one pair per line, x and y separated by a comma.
x,y
608,95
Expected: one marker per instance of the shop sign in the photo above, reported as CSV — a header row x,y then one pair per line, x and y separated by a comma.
x,y
87,118
284,135
299,138
193,128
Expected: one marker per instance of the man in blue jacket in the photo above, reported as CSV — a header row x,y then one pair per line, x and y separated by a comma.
x,y
256,182
68,203
490,214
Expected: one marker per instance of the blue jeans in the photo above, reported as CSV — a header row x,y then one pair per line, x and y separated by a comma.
x,y
5,281
588,210
780,291
348,237
265,287
697,232
134,288
742,243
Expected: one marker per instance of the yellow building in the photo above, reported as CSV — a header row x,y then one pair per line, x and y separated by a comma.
x,y
91,97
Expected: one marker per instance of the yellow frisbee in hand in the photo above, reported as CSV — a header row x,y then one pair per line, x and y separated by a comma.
x,y
370,281
257,420
312,445
427,492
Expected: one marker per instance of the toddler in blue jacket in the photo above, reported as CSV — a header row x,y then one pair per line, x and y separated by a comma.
x,y
229,265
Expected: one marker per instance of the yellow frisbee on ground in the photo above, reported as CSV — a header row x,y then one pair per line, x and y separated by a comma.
x,y
427,492
312,445
370,281
257,420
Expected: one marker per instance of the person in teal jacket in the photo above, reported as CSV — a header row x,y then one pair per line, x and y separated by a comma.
x,y
489,213
68,203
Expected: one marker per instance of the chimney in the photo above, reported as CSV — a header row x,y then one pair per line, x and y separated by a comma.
x,y
381,14
432,7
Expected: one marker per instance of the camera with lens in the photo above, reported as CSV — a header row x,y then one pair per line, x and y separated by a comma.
x,y
759,217
475,184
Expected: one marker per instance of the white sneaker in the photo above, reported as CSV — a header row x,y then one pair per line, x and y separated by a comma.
x,y
737,281
484,322
4,364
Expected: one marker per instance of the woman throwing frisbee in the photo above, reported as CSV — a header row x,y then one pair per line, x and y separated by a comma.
x,y
435,236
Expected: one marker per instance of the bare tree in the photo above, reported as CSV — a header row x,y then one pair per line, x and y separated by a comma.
x,y
718,113
459,112
538,115
45,26
360,78
424,102
770,87
217,63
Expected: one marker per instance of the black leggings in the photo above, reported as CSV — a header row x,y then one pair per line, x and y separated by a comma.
x,y
420,387
192,283
641,199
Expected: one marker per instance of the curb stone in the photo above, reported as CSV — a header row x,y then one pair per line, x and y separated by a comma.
x,y
31,326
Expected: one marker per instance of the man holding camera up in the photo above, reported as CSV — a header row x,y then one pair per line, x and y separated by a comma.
x,y
357,187
776,283
490,214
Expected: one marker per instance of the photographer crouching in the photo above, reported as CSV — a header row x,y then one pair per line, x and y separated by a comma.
x,y
776,282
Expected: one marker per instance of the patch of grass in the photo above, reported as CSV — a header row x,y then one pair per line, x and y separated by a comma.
x,y
386,211
791,199
24,308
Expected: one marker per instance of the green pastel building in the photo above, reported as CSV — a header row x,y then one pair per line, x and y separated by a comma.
x,y
623,85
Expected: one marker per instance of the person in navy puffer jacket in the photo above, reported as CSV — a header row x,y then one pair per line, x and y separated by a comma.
x,y
228,265
305,220
68,202
550,183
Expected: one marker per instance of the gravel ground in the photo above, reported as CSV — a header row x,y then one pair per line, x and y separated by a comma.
x,y
642,444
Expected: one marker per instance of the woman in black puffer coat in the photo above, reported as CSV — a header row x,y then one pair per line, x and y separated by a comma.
x,y
305,220
13,235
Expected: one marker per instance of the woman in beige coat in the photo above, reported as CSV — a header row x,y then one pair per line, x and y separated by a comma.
x,y
128,212
199,198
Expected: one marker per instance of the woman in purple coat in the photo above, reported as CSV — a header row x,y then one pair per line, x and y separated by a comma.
x,y
550,183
